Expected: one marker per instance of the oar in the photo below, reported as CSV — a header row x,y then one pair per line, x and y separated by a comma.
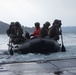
x,y
10,45
63,47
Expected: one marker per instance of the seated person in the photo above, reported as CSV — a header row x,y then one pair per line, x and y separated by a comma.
x,y
26,35
54,30
15,33
36,32
10,31
44,30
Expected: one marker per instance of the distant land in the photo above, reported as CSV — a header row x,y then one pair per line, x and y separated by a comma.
x,y
5,26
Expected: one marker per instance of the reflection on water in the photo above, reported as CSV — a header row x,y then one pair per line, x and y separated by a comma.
x,y
69,42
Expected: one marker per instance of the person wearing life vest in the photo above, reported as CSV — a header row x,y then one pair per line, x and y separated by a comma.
x,y
36,32
54,30
44,30
15,32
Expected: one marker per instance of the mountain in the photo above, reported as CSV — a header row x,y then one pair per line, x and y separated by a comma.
x,y
5,26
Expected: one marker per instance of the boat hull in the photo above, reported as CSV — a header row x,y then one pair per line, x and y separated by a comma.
x,y
39,45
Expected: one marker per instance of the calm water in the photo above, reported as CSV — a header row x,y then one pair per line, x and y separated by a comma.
x,y
69,42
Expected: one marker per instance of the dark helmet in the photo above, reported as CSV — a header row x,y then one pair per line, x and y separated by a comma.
x,y
17,24
12,24
37,24
47,23
58,22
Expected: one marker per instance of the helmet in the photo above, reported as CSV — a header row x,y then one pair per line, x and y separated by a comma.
x,y
58,22
47,23
12,24
17,24
37,24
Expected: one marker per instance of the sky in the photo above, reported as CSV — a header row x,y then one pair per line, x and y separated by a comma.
x,y
27,12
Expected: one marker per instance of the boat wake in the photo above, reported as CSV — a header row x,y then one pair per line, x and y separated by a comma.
x,y
5,57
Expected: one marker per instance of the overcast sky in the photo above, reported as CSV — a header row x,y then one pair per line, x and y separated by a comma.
x,y
27,12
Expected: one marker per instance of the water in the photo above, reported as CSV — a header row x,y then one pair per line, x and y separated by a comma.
x,y
69,43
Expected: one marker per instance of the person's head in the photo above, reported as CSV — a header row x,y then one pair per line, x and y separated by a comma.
x,y
37,24
18,25
47,24
12,24
57,23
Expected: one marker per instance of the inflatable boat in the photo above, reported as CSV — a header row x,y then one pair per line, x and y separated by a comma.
x,y
38,45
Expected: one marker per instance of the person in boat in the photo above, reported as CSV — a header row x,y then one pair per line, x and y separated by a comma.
x,y
26,35
10,31
44,30
36,32
54,30
15,33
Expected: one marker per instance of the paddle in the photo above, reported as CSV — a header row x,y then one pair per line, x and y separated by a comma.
x,y
10,45
63,47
